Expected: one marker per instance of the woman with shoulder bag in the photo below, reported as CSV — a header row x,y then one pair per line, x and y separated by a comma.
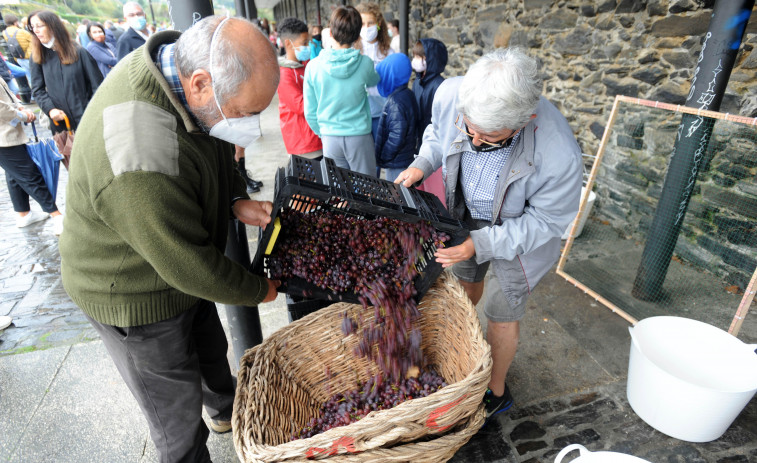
x,y
64,76
22,175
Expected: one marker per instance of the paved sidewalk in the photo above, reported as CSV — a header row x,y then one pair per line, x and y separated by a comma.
x,y
61,399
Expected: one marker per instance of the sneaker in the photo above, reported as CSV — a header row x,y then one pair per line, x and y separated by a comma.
x,y
57,224
495,405
220,426
5,322
30,218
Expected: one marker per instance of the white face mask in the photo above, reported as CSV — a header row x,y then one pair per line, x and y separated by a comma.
x,y
50,43
241,131
369,34
391,34
418,64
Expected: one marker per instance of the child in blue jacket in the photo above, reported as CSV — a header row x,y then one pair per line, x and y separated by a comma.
x,y
398,124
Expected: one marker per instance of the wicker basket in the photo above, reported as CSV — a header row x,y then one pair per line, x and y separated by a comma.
x,y
283,381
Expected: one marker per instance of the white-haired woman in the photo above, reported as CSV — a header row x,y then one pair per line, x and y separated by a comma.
x,y
518,166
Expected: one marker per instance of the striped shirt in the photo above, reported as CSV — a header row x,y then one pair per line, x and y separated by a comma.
x,y
479,174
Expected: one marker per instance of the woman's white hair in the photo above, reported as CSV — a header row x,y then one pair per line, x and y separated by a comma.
x,y
500,91
232,64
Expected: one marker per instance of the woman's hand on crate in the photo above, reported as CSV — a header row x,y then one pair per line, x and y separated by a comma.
x,y
272,293
450,256
256,213
409,177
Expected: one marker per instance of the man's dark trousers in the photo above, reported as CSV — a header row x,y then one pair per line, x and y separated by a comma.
x,y
173,368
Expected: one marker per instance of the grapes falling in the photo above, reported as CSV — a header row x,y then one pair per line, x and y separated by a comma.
x,y
377,259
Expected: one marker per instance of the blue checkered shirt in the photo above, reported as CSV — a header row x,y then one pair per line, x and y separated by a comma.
x,y
165,60
479,174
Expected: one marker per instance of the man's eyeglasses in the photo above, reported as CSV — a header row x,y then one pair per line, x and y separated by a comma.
x,y
463,128
132,15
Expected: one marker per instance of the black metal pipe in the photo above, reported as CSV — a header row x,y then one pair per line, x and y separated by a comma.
x,y
184,13
241,8
152,14
404,17
251,9
296,13
318,7
243,321
719,50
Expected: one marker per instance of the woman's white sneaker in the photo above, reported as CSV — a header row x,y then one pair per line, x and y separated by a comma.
x,y
30,218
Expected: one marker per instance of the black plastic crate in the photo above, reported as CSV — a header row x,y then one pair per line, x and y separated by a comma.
x,y
309,185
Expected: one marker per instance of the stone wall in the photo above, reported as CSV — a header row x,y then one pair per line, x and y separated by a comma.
x,y
590,50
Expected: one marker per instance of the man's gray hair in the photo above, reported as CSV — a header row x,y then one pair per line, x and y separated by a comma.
x,y
232,64
129,5
500,91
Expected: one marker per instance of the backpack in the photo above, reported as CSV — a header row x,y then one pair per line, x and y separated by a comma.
x,y
14,48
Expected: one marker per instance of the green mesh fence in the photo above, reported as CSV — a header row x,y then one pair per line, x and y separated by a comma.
x,y
672,222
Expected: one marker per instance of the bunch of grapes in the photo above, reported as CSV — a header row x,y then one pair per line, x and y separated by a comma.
x,y
343,409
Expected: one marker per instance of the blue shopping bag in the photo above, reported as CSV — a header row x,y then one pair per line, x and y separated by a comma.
x,y
45,155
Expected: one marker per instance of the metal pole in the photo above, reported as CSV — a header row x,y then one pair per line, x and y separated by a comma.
x,y
404,17
296,13
252,10
241,8
184,13
719,50
318,6
305,11
244,322
152,13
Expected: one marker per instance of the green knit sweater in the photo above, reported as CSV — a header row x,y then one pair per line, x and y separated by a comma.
x,y
148,204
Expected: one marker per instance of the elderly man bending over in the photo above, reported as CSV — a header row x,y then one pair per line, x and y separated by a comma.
x,y
151,191
512,171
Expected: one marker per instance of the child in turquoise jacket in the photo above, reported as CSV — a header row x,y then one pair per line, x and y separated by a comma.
x,y
336,100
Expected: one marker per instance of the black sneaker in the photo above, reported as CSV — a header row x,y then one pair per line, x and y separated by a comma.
x,y
252,186
495,405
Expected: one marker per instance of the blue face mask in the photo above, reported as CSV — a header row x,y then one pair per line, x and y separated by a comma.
x,y
138,23
302,53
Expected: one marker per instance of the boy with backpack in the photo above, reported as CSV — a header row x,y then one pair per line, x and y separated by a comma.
x,y
18,41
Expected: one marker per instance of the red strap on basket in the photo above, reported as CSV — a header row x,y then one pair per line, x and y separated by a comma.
x,y
347,442
439,412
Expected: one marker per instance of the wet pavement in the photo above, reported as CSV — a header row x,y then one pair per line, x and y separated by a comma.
x,y
63,401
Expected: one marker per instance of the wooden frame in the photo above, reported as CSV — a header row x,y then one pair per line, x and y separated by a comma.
x,y
746,301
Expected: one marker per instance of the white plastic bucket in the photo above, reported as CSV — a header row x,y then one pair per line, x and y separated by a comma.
x,y
688,379
596,457
584,215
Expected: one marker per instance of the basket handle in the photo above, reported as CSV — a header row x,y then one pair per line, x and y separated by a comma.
x,y
581,449
379,441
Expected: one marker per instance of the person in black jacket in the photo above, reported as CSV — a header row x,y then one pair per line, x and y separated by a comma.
x,y
137,33
64,75
429,61
398,123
